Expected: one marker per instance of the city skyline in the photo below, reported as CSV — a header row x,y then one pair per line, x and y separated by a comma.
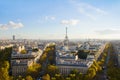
x,y
44,19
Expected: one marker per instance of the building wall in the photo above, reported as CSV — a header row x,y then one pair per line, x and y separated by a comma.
x,y
24,61
65,70
19,70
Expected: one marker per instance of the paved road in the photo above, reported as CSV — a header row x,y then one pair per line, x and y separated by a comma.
x,y
105,65
103,75
115,55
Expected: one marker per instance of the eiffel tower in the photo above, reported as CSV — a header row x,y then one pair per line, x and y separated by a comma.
x,y
66,41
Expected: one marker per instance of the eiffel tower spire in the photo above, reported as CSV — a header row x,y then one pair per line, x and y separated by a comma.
x,y
66,41
66,37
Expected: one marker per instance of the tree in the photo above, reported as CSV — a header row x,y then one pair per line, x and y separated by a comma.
x,y
59,77
19,77
34,70
53,78
35,50
74,71
23,52
29,77
4,74
43,58
86,77
80,76
97,65
91,73
52,70
6,64
82,54
46,77
72,76
47,49
51,60
67,78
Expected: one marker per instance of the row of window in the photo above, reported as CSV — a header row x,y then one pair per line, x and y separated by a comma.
x,y
66,70
18,70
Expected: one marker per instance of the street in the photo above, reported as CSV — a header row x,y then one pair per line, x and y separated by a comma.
x,y
103,75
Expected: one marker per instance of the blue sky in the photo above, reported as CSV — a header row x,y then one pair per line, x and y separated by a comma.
x,y
47,19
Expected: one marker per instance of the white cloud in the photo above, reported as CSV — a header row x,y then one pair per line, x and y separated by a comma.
x,y
50,17
43,19
15,25
11,24
46,17
98,10
88,10
3,27
108,31
72,22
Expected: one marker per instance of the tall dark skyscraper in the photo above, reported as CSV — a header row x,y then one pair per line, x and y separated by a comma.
x,y
13,37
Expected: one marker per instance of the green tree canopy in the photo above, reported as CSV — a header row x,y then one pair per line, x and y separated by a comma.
x,y
82,54
29,77
4,74
46,77
52,70
23,52
35,50
34,70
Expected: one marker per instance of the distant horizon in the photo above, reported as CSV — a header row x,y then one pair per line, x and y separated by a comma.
x,y
57,39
